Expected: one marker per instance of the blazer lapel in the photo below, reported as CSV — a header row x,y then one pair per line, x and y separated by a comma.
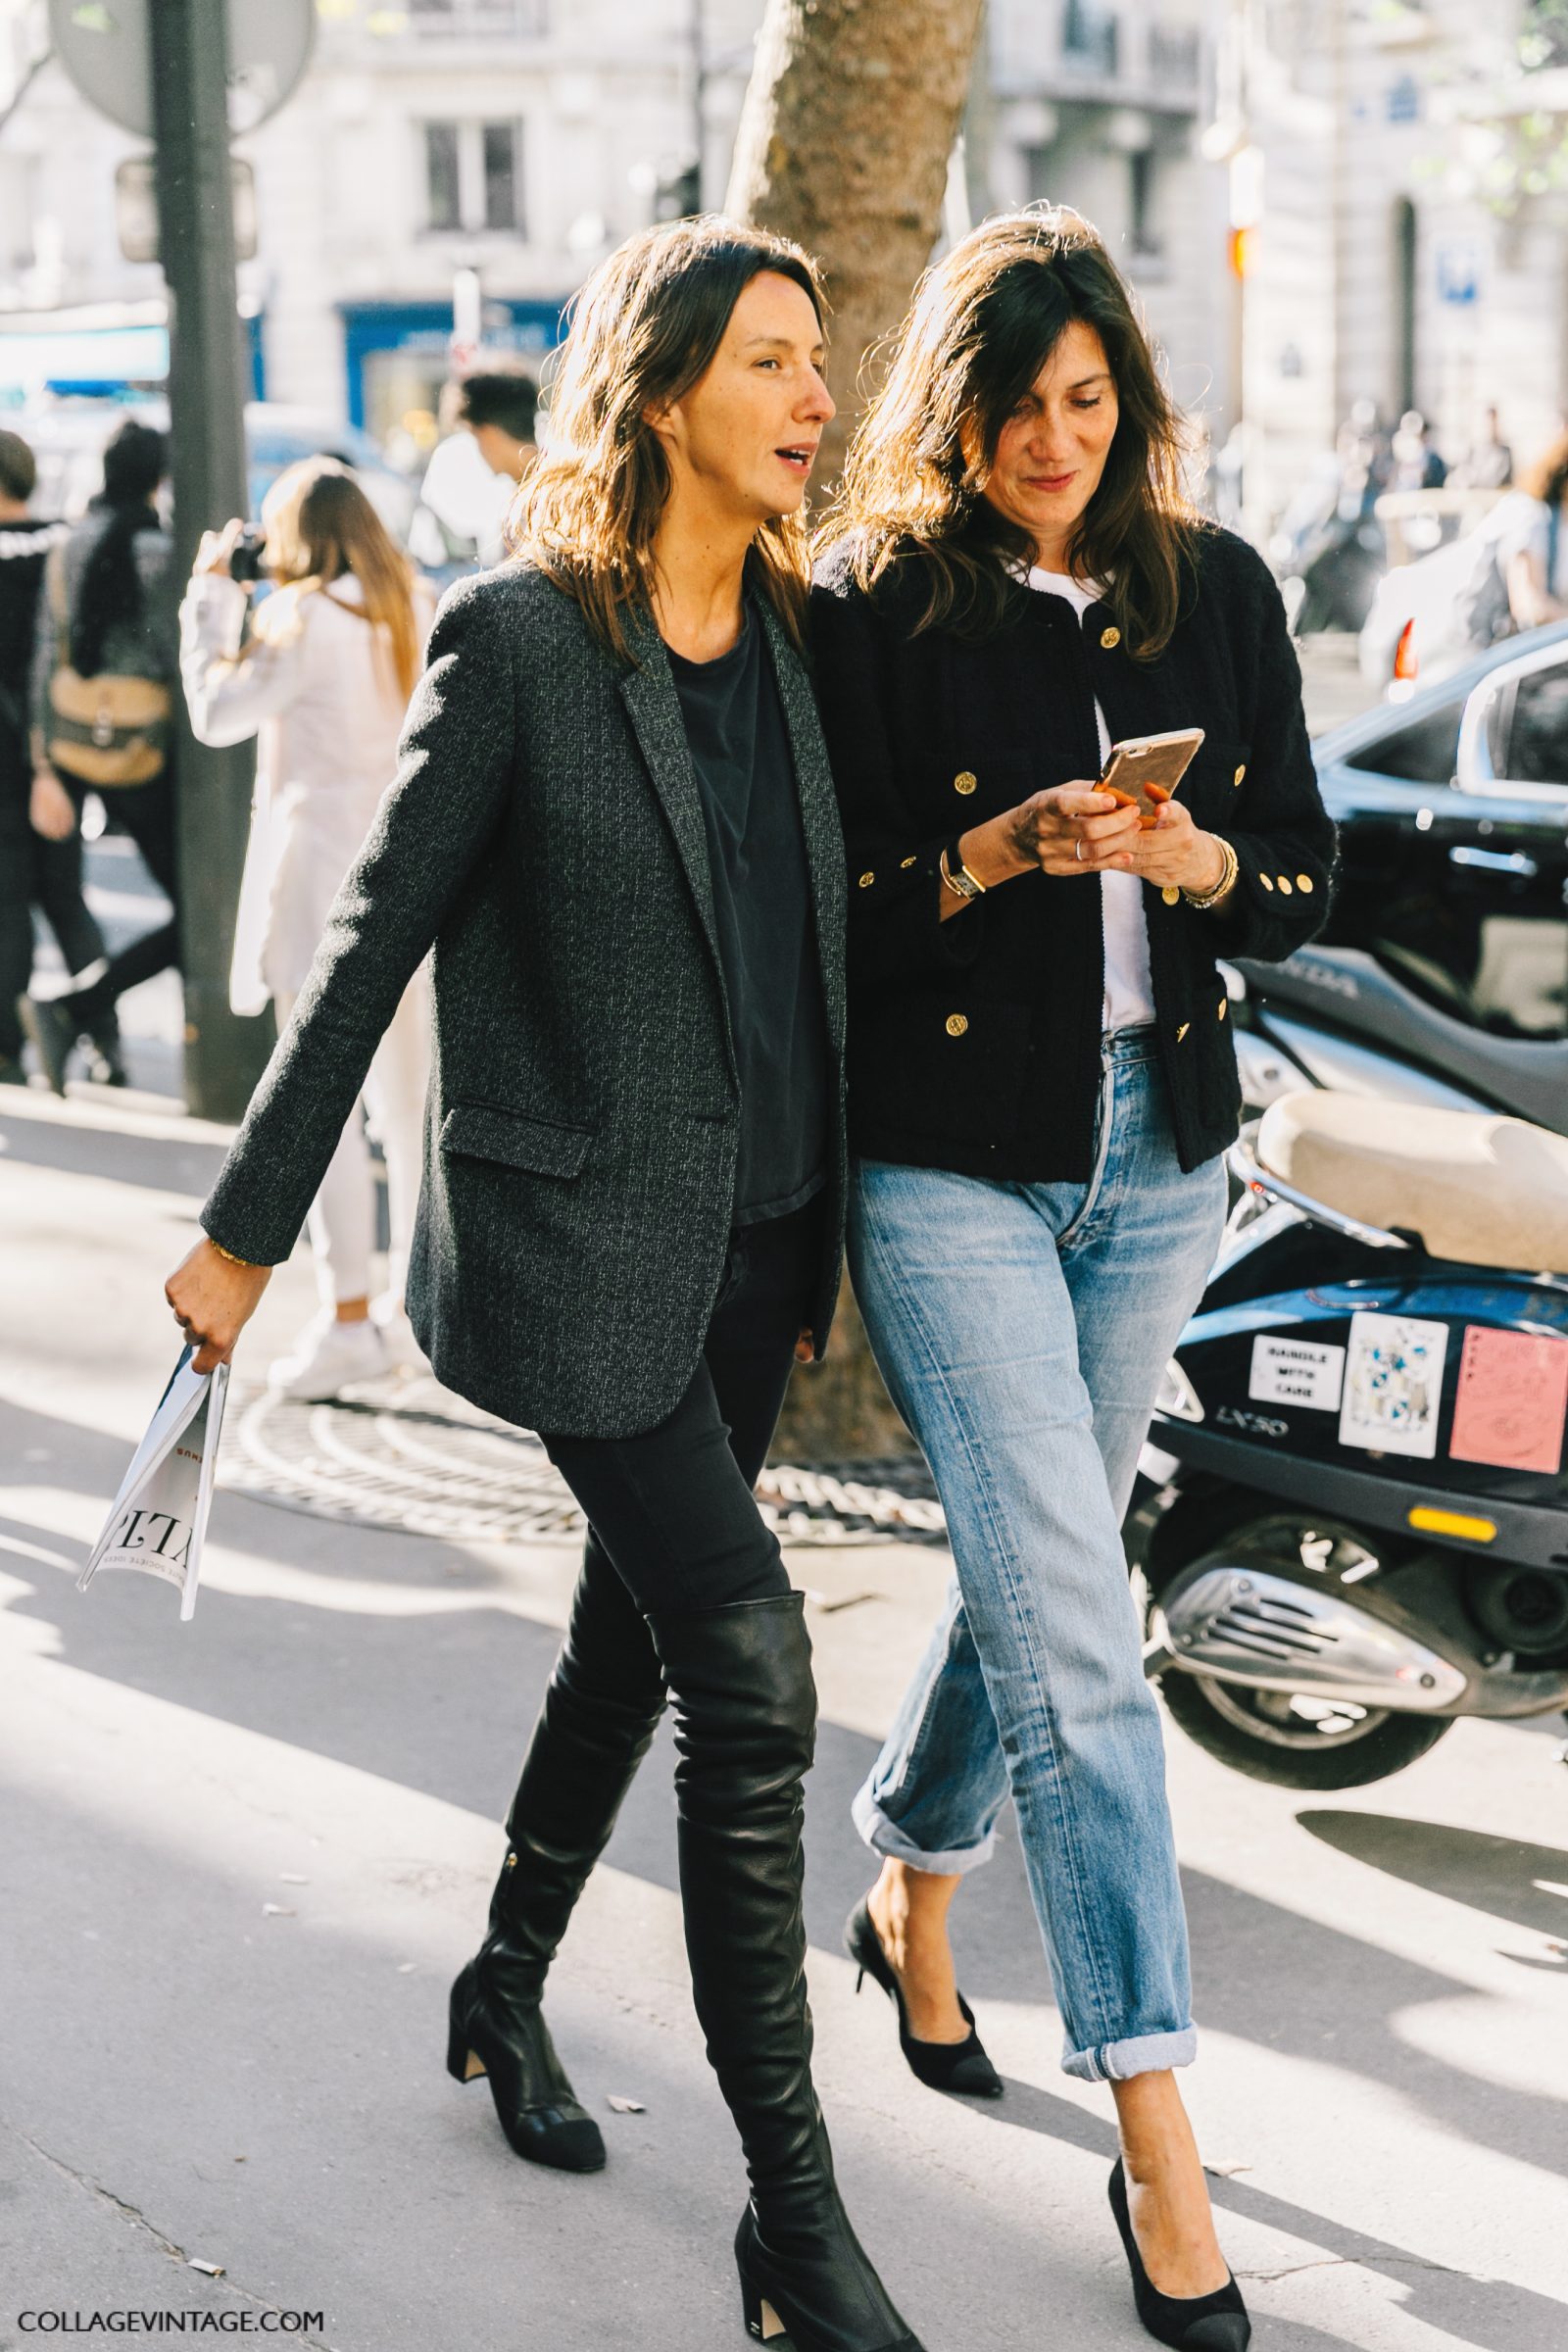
x,y
820,813
648,693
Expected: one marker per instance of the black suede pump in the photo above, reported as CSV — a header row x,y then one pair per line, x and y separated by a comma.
x,y
1216,2322
955,2065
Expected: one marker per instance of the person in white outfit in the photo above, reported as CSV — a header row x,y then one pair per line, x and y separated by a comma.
x,y
322,678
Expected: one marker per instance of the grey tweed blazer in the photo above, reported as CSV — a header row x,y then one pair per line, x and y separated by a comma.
x,y
544,836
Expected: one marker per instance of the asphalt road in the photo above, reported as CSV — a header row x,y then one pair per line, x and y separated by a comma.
x,y
243,1858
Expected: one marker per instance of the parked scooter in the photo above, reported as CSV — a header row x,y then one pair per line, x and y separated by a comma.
x,y
1353,1520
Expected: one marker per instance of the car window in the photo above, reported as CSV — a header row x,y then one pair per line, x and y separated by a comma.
x,y
1538,734
1424,751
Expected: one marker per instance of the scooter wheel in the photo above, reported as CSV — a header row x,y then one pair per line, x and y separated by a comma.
x,y
1216,1716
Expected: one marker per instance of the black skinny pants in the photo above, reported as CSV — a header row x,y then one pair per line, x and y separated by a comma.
x,y
672,1507
146,811
35,872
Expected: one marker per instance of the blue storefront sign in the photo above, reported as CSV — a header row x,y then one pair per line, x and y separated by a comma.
x,y
425,329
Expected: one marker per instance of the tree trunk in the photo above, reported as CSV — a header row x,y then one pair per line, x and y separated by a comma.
x,y
843,145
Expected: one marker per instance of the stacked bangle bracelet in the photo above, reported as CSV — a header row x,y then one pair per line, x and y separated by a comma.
x,y
1211,898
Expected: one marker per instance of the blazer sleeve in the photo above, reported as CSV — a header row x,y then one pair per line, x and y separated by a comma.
x,y
896,931
1285,838
436,823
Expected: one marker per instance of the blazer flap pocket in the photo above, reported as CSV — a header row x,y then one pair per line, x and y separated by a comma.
x,y
482,1131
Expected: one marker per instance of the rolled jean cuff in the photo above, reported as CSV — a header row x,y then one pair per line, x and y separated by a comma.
x,y
885,1836
1143,2054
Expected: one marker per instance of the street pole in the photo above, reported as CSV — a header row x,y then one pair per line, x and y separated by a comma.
x,y
224,1056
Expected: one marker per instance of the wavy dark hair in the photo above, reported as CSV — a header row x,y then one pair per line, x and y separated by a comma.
x,y
109,591
644,329
985,320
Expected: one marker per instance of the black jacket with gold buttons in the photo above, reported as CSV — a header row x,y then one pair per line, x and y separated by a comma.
x,y
974,1044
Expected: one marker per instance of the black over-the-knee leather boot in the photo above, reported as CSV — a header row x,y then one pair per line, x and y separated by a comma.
x,y
601,1709
745,1730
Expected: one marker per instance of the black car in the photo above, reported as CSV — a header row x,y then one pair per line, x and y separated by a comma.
x,y
1446,950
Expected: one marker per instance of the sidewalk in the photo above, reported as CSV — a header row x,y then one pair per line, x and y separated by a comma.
x,y
245,1857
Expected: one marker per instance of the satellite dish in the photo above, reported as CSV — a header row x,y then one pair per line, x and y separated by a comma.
x,y
106,48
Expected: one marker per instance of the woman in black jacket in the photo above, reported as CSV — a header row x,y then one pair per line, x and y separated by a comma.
x,y
614,823
1042,1081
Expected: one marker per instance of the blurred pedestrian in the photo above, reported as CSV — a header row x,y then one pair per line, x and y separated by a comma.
x,y
103,672
1416,463
1042,1088
615,820
500,408
40,845
1531,529
1487,463
323,675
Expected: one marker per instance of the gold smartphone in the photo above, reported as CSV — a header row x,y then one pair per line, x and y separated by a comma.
x,y
1145,769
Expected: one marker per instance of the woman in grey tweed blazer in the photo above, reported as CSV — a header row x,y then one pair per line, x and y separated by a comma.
x,y
613,825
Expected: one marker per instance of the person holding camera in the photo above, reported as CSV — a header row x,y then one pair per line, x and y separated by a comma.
x,y
320,671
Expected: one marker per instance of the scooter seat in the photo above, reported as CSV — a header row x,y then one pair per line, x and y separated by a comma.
x,y
1484,1189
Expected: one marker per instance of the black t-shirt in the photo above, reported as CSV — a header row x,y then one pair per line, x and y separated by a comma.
x,y
740,750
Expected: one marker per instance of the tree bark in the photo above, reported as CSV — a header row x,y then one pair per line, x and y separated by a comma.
x,y
843,145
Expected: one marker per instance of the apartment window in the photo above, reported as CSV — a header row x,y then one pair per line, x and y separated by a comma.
x,y
499,148
441,175
1088,36
1142,237
474,176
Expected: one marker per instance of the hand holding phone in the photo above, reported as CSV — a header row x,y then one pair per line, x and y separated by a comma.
x,y
1143,771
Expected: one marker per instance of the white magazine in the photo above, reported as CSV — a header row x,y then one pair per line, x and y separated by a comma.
x,y
159,1518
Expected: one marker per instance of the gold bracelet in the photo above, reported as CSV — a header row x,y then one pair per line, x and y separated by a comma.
x,y
247,1264
1202,899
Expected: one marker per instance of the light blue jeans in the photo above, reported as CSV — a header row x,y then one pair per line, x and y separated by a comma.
x,y
1022,1330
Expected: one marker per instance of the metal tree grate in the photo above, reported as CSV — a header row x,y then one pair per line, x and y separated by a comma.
x,y
406,1453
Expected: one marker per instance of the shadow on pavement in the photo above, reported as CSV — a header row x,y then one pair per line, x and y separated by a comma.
x,y
1492,2313
434,1685
1505,1877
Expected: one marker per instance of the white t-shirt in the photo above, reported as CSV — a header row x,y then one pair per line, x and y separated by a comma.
x,y
1129,998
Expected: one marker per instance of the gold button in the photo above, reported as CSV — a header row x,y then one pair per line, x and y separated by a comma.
x,y
1110,639
1240,773
1171,894
1305,882
1282,882
956,1024
904,862
1267,884
963,782
867,881
1224,1007
1182,1031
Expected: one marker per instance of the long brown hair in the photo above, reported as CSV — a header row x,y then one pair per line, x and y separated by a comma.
x,y
985,319
319,525
1548,477
644,329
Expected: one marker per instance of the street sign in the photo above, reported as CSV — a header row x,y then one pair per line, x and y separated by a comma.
x,y
1458,268
106,48
136,208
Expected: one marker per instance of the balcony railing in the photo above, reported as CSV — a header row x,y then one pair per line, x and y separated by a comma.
x,y
477,20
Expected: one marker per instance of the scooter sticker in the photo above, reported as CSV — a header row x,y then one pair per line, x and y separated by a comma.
x,y
1295,1372
1393,1384
1512,1400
